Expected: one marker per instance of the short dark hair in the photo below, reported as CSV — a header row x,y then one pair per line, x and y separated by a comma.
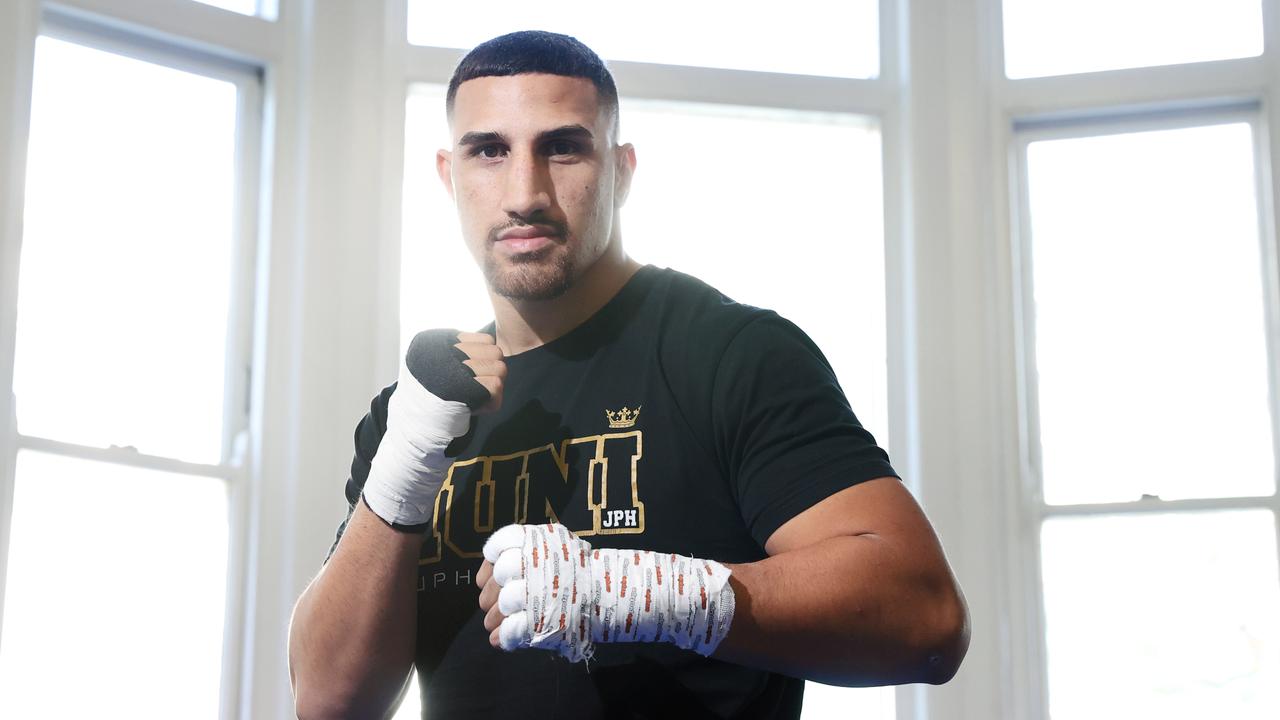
x,y
537,51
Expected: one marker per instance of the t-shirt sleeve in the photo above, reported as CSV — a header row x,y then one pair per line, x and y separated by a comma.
x,y
368,436
784,431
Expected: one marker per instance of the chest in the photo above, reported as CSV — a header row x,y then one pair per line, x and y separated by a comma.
x,y
600,445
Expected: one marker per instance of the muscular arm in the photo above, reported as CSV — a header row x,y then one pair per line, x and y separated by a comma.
x,y
855,591
351,640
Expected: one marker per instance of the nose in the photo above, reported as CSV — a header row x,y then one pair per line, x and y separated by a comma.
x,y
528,185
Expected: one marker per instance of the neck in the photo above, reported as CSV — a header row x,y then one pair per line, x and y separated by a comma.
x,y
522,325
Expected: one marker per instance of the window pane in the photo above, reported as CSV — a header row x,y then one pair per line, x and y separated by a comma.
x,y
440,284
126,256
681,201
744,35
1149,331
1168,616
115,590
244,7
1059,37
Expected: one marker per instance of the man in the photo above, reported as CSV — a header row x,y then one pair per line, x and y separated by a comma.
x,y
632,429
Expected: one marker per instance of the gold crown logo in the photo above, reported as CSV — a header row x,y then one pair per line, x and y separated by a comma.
x,y
623,418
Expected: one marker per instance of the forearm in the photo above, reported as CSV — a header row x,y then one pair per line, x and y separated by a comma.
x,y
849,610
351,640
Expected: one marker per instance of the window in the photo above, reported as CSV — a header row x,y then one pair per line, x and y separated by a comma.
x,y
244,7
1057,37
1149,303
1152,411
751,35
130,379
1170,615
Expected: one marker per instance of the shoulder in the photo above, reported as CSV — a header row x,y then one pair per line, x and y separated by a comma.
x,y
696,319
703,333
697,331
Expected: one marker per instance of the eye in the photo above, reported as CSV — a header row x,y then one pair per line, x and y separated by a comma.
x,y
563,147
489,152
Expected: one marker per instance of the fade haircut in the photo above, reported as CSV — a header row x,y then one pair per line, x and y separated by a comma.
x,y
537,51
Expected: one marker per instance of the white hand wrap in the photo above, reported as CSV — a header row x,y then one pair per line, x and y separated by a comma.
x,y
410,465
560,594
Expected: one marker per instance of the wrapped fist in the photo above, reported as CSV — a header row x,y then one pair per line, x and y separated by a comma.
x,y
446,376
543,587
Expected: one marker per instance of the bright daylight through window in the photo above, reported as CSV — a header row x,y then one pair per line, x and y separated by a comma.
x,y
708,33
122,332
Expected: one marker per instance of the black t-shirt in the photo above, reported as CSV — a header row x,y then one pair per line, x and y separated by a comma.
x,y
675,420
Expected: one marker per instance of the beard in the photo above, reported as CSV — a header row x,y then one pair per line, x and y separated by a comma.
x,y
544,274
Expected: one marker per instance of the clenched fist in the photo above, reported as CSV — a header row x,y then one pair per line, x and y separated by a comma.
x,y
445,378
544,587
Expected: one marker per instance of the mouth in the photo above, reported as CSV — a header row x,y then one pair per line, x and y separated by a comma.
x,y
527,239
522,245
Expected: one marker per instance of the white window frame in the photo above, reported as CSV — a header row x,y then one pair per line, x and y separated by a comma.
x,y
1085,105
112,27
1026,132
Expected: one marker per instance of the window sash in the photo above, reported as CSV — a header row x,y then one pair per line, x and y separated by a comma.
x,y
1034,130
1026,590
65,24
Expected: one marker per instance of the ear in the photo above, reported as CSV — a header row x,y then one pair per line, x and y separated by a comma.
x,y
444,168
625,161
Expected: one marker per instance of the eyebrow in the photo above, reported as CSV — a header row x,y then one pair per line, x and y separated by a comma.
x,y
564,132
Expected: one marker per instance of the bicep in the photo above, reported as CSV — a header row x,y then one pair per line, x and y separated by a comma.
x,y
881,507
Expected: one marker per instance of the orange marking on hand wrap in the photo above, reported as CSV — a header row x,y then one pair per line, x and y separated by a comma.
x,y
628,627
606,581
535,557
562,616
582,557
595,555
681,583
658,570
703,591
637,558
565,548
555,587
624,587
647,598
